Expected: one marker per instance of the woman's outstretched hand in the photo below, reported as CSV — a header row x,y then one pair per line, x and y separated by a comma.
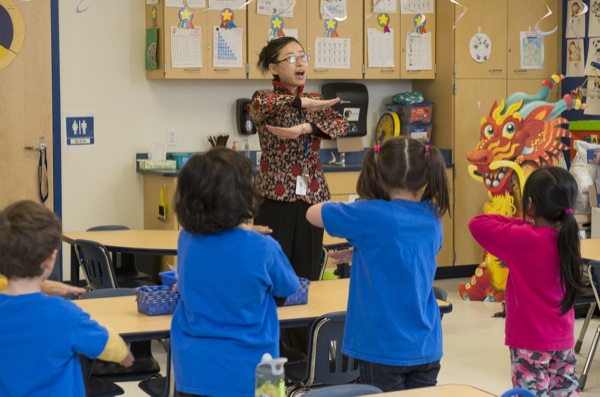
x,y
313,105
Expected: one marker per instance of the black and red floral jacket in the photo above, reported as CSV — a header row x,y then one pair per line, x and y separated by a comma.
x,y
282,160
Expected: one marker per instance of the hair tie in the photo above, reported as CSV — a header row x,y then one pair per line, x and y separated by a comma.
x,y
426,148
376,148
569,211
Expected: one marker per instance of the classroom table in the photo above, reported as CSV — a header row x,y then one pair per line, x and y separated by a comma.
x,y
590,249
153,242
121,315
438,391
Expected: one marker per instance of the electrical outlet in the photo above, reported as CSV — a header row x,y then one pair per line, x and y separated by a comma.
x,y
171,137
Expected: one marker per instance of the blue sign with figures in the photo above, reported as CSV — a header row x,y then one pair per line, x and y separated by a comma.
x,y
80,130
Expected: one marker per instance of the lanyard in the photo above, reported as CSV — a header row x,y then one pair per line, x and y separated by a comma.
x,y
43,173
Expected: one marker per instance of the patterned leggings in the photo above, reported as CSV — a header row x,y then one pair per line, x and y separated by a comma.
x,y
545,373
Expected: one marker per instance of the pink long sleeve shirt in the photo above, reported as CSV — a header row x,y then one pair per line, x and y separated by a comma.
x,y
533,288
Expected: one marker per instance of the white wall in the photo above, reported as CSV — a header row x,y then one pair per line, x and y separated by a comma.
x,y
102,71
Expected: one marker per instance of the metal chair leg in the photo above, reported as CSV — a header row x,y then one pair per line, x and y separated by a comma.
x,y
588,361
584,328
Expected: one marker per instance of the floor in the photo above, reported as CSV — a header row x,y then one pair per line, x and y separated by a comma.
x,y
474,351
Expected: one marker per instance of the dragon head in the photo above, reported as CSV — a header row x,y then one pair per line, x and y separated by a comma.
x,y
517,137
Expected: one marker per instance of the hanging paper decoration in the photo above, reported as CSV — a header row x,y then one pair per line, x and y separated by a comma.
x,y
227,19
383,20
330,28
537,24
419,22
462,14
185,19
277,27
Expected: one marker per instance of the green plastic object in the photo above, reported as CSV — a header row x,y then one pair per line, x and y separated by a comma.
x,y
408,98
584,125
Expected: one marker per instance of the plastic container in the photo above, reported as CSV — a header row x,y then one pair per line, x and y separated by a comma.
x,y
270,377
181,158
417,112
168,278
419,131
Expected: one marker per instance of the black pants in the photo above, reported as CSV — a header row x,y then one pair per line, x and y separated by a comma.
x,y
300,241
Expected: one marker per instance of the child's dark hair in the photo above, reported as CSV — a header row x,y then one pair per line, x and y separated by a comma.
x,y
270,53
553,191
405,163
29,234
216,191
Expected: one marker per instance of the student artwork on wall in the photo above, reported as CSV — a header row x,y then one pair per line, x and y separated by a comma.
x,y
575,58
190,3
480,47
532,50
381,48
282,8
151,48
416,6
334,9
12,32
418,51
227,47
332,53
576,19
382,6
594,19
186,47
222,4
593,55
592,102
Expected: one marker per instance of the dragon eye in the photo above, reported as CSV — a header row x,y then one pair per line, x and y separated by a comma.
x,y
488,131
509,129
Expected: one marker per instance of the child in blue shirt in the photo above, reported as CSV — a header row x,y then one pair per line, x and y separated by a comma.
x,y
393,322
41,336
228,276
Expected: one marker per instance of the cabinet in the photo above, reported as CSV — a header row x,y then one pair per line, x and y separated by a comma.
x,y
465,90
209,21
308,26
400,25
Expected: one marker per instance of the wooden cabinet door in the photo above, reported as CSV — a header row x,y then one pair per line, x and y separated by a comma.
x,y
372,24
213,22
349,28
171,20
487,17
408,25
473,100
520,21
259,27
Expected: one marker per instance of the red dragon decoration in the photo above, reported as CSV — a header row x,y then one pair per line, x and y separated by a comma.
x,y
516,138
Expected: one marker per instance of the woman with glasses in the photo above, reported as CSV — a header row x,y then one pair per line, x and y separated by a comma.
x,y
291,124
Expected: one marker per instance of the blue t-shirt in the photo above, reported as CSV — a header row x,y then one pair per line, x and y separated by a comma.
x,y
227,317
40,338
393,317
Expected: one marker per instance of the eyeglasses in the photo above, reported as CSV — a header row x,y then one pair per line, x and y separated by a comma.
x,y
294,58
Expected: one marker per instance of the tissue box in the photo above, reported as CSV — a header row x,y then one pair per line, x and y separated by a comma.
x,y
158,165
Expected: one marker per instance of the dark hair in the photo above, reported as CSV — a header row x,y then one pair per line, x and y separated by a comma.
x,y
405,163
553,191
29,233
270,53
216,191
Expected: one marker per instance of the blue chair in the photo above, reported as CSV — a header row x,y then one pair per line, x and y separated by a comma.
x,y
594,275
351,390
325,363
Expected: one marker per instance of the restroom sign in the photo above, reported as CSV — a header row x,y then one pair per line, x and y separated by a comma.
x,y
79,131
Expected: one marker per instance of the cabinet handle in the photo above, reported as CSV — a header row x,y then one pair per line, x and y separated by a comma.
x,y
520,70
192,69
221,69
495,70
321,70
387,70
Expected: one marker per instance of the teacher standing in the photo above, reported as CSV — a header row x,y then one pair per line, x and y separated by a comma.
x,y
291,125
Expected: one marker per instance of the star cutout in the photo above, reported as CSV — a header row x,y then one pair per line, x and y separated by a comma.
x,y
383,19
331,23
227,15
277,23
185,15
